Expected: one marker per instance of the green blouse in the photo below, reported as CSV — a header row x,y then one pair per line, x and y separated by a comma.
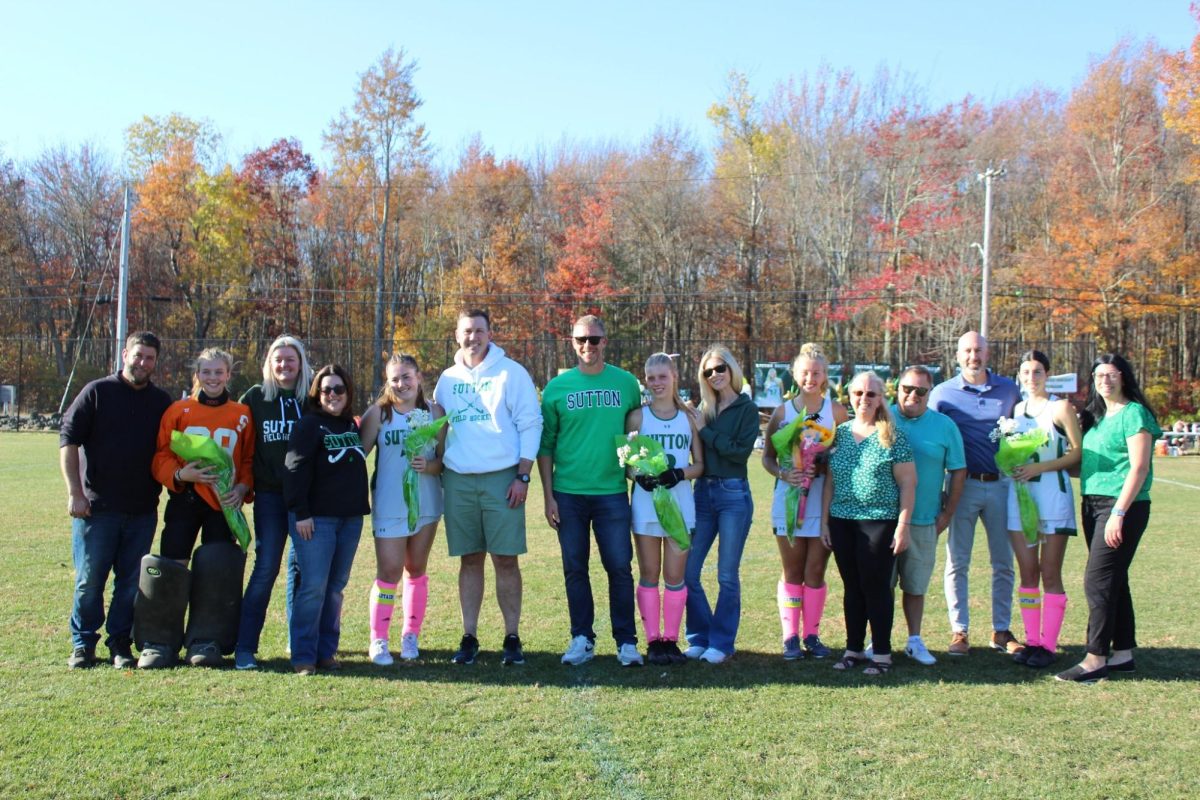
x,y
863,484
1106,451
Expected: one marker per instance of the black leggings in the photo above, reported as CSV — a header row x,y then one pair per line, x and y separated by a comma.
x,y
1106,580
186,515
863,551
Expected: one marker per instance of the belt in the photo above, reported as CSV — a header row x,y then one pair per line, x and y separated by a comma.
x,y
986,477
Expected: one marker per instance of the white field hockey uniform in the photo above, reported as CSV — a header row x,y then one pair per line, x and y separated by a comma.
x,y
675,435
811,528
1051,490
389,514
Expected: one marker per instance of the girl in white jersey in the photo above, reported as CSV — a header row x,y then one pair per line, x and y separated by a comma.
x,y
669,420
399,550
1048,482
801,591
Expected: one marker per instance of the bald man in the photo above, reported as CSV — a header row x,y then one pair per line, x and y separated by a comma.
x,y
975,399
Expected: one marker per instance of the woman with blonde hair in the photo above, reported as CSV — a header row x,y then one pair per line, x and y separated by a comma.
x,y
400,552
671,422
867,510
275,407
727,426
801,590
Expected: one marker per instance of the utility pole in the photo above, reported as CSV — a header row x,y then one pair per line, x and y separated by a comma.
x,y
123,284
986,176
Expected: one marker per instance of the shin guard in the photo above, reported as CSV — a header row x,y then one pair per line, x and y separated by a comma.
x,y
164,586
216,601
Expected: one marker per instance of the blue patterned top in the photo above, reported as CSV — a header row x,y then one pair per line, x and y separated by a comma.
x,y
863,484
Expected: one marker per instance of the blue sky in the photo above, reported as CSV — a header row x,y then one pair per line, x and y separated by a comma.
x,y
521,75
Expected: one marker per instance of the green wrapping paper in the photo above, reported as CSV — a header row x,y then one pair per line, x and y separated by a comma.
x,y
196,447
645,456
421,441
1016,449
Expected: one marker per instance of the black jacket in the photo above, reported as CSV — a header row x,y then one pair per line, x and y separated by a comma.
x,y
326,468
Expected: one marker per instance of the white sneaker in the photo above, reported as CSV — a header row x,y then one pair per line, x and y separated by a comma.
x,y
408,647
713,656
379,653
694,652
917,651
628,655
580,651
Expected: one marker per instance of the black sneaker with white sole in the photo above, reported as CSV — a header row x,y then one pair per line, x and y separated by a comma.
x,y
81,658
468,648
512,651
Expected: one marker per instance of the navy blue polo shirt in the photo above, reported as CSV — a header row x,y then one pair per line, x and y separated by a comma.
x,y
975,410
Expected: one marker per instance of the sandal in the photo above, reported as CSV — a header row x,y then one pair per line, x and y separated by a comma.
x,y
849,662
878,669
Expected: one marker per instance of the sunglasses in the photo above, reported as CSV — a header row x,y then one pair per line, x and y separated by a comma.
x,y
921,391
339,390
592,340
870,395
708,373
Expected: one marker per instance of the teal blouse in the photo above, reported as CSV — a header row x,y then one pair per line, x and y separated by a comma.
x,y
863,484
1106,453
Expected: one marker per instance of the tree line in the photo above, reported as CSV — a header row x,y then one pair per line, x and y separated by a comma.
x,y
835,208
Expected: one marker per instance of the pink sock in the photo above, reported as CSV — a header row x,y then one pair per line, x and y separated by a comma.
x,y
416,597
791,600
383,599
814,608
1030,600
674,600
650,606
1052,619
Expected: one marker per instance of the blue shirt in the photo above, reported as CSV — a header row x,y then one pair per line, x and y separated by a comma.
x,y
975,410
937,448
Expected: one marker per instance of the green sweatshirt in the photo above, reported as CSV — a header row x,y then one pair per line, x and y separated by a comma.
x,y
581,417
273,421
729,439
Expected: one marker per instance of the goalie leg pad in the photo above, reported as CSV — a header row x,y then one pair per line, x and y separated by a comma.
x,y
164,586
216,601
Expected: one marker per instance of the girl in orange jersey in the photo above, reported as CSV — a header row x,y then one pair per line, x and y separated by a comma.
x,y
192,500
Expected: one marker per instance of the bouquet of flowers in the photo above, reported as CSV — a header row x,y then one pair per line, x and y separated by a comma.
x,y
198,447
1016,449
420,441
645,456
797,446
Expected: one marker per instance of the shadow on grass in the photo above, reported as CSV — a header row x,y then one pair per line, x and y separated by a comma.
x,y
747,669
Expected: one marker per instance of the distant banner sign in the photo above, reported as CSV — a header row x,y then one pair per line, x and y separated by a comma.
x,y
772,380
1062,384
884,371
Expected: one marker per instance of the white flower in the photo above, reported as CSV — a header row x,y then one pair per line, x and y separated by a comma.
x,y
623,454
418,417
1004,427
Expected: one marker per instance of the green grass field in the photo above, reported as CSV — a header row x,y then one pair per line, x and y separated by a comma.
x,y
752,727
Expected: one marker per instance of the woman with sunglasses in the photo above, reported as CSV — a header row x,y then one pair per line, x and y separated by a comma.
x,y
325,488
727,426
1115,475
867,511
1047,480
801,590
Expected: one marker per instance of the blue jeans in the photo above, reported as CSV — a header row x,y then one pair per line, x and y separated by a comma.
x,y
270,539
324,561
724,511
102,543
987,502
609,518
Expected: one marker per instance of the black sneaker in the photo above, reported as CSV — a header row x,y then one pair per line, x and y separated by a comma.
x,y
1040,658
674,654
82,658
122,655
468,648
512,650
1022,655
656,653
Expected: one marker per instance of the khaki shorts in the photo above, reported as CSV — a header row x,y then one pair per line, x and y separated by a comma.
x,y
914,567
478,519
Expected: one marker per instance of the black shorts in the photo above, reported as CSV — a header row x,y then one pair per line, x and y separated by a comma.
x,y
187,515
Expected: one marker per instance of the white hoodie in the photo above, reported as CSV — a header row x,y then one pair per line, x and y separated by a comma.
x,y
495,417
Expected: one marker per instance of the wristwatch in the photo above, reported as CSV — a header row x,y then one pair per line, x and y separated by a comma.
x,y
1118,512
523,477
